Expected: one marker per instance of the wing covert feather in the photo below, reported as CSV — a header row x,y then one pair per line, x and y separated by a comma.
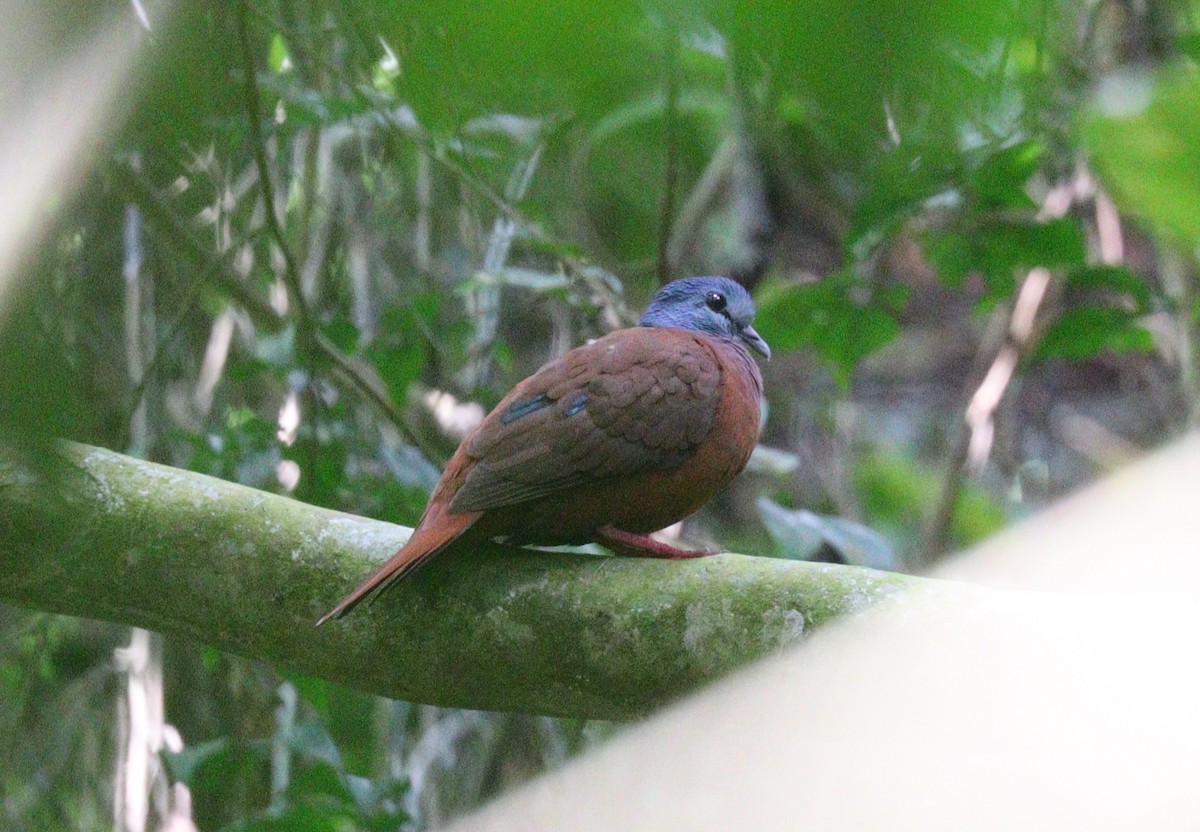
x,y
649,399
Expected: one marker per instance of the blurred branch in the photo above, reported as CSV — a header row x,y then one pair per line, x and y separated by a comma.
x,y
291,273
119,539
484,301
423,225
981,410
364,379
1181,281
139,328
402,122
974,443
171,331
688,225
1064,691
666,210
167,222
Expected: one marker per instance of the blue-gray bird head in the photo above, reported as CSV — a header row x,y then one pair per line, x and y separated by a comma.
x,y
713,305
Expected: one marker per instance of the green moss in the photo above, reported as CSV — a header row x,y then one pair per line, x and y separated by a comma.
x,y
492,627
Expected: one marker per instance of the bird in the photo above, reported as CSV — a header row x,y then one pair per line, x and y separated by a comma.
x,y
616,439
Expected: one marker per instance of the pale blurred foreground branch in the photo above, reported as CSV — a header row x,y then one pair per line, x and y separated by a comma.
x,y
1068,700
101,535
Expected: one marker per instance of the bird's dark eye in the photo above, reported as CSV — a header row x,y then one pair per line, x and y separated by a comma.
x,y
715,301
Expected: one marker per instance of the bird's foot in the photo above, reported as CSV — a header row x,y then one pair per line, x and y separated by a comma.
x,y
642,546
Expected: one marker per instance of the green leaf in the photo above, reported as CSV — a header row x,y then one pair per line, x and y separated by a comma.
x,y
896,492
278,58
342,332
45,387
898,185
800,534
461,60
999,182
625,158
315,692
1054,244
952,256
248,369
998,251
1144,134
306,106
1105,309
311,816
1189,44
915,74
192,87
1091,330
400,351
1116,280
826,317
398,367
248,425
315,783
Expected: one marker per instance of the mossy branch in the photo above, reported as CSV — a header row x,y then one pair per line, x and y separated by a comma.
x,y
101,535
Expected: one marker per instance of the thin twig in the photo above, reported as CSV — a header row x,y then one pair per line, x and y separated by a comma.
x,y
137,307
936,533
352,370
173,228
974,443
172,331
981,410
485,300
1108,230
167,221
402,122
1182,286
363,379
423,227
685,230
291,273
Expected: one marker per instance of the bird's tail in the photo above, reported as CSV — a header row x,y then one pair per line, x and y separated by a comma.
x,y
431,536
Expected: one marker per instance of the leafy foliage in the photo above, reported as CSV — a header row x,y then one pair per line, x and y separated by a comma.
x,y
1108,320
1144,134
458,185
825,317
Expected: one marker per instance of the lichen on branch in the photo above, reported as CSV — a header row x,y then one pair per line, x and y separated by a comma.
x,y
101,535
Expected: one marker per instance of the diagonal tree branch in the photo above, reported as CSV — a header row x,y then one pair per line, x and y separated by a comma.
x,y
101,535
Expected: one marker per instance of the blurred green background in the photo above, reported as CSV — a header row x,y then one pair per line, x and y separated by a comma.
x,y
297,245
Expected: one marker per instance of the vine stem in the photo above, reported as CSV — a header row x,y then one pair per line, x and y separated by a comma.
x,y
251,100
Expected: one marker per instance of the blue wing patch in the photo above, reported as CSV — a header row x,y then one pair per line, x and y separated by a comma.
x,y
518,409
577,404
523,408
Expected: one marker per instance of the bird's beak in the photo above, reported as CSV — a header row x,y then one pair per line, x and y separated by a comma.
x,y
755,342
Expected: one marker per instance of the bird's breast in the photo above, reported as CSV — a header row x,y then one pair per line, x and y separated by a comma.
x,y
727,448
652,497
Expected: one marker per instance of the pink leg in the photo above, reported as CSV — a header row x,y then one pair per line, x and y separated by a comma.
x,y
640,546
